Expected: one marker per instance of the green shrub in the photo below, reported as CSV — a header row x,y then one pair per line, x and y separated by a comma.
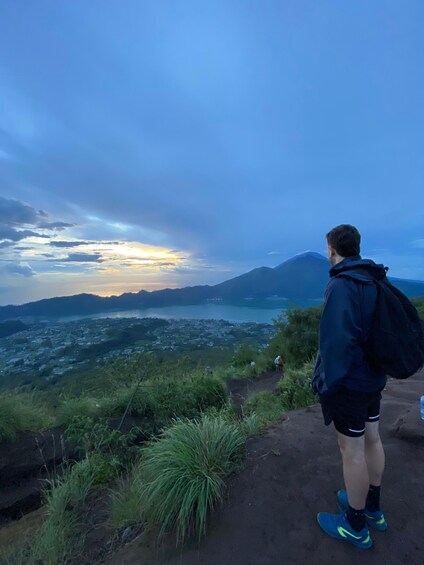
x,y
267,406
183,473
418,302
126,506
104,468
243,355
297,335
97,439
186,396
21,413
83,407
137,397
251,425
59,537
295,387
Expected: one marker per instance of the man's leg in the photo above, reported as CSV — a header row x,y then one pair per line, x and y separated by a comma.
x,y
374,453
355,471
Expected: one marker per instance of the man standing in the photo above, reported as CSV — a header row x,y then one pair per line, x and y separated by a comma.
x,y
349,390
278,362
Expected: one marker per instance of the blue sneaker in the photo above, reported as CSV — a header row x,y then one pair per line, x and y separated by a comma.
x,y
374,519
337,526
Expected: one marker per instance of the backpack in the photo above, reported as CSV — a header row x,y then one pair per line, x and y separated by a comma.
x,y
395,344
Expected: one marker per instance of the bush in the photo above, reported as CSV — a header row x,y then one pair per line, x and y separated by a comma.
x,y
183,473
83,406
267,406
187,396
244,355
295,387
138,397
297,335
418,302
21,413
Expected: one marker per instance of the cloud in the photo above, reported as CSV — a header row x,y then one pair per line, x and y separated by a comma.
x,y
58,226
7,232
13,212
19,221
83,258
78,243
21,269
274,253
69,243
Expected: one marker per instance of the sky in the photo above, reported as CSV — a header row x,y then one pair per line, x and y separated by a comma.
x,y
157,144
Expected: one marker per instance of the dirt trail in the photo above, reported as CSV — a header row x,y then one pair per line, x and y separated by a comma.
x,y
242,387
291,473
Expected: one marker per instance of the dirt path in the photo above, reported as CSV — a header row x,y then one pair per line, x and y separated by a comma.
x,y
293,472
241,388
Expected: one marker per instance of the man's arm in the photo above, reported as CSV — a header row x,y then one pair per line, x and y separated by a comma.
x,y
340,329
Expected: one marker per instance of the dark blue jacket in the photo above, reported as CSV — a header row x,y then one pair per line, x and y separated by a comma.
x,y
350,298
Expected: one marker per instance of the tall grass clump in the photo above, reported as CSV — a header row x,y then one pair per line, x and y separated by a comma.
x,y
59,537
184,473
295,388
21,412
126,508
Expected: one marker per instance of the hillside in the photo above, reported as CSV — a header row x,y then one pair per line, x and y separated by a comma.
x,y
300,280
293,472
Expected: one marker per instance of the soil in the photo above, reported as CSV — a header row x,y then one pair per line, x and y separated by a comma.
x,y
292,472
34,457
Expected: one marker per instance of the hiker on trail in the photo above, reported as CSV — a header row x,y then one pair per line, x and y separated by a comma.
x,y
278,362
349,389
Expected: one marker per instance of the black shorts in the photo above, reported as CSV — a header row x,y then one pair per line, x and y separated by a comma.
x,y
350,409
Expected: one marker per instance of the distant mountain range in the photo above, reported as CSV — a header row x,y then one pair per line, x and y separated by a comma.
x,y
299,281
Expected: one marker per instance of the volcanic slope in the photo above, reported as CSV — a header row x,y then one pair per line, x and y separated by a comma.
x,y
294,471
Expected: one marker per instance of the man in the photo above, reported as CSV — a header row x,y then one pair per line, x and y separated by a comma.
x,y
278,362
349,390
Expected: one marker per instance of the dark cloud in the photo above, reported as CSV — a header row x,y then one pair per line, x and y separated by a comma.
x,y
18,269
57,226
83,258
16,217
15,213
78,243
7,232
69,243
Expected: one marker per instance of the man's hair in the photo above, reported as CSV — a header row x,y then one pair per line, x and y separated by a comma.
x,y
345,239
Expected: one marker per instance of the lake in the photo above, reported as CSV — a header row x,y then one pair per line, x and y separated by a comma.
x,y
228,312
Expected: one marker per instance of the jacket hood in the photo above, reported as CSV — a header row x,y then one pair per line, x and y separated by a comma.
x,y
362,270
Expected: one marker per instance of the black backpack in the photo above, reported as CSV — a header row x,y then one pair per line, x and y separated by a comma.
x,y
395,344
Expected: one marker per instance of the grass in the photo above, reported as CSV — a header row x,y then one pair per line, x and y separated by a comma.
x,y
183,473
22,412
266,405
295,387
59,536
126,507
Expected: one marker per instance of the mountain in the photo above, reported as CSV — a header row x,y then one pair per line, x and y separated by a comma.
x,y
300,280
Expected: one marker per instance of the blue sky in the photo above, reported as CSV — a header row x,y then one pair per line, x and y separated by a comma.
x,y
164,144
